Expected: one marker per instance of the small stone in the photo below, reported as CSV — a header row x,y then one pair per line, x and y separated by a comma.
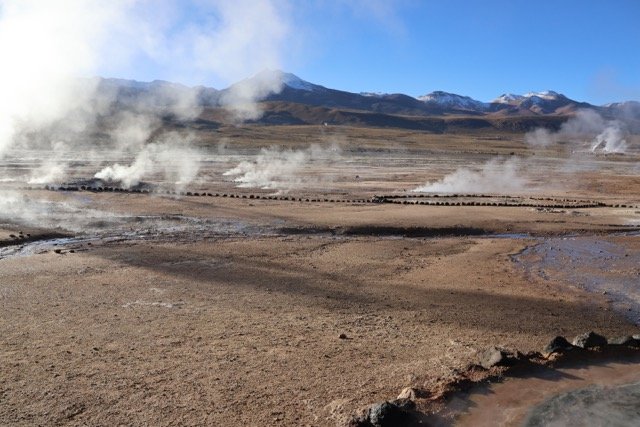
x,y
558,344
342,336
495,356
589,340
408,393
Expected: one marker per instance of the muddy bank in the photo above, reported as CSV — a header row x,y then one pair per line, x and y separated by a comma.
x,y
509,388
20,238
387,231
550,393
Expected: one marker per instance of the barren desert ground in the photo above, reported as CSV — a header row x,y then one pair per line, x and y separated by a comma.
x,y
303,304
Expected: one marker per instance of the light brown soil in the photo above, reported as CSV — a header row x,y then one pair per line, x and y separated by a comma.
x,y
196,328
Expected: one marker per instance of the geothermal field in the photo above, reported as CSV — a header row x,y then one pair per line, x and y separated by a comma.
x,y
299,274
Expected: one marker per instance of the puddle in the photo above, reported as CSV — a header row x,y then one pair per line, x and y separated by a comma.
x,y
594,395
157,228
607,265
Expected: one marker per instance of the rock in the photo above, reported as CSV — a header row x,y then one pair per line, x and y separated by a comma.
x,y
495,356
408,405
388,414
589,340
558,344
408,393
342,336
360,421
627,341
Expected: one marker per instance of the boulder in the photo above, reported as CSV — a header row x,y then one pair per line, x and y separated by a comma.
x,y
387,414
589,340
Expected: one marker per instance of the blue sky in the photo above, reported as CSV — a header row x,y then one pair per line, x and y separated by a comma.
x,y
588,50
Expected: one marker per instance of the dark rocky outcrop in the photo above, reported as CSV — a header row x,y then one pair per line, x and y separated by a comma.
x,y
589,340
400,412
557,345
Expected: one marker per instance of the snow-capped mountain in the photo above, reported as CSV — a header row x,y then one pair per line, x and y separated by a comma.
x,y
549,95
508,98
531,97
453,101
295,82
286,90
278,80
546,102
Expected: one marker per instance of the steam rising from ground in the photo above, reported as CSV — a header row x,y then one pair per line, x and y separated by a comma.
x,y
48,45
589,128
496,176
284,169
610,140
178,165
51,107
71,216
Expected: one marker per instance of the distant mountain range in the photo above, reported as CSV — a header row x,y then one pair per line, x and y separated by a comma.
x,y
303,102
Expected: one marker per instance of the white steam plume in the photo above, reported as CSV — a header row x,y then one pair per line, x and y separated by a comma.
x,y
241,98
72,215
610,140
539,137
47,45
587,129
282,169
172,158
50,109
44,46
496,176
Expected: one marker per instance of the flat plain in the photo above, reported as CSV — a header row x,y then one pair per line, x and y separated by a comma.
x,y
303,304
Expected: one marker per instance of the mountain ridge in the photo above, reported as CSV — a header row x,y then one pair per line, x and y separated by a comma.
x,y
282,92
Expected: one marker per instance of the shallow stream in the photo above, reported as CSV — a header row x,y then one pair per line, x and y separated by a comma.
x,y
601,394
597,394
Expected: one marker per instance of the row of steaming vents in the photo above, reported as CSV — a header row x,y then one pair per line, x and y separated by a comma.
x,y
96,185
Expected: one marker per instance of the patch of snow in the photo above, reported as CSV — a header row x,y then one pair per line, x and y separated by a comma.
x,y
374,94
548,95
451,100
296,82
508,98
